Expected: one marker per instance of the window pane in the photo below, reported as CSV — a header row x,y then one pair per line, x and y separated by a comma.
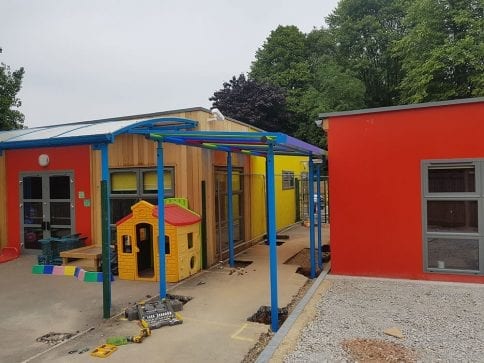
x,y
120,208
150,181
60,187
60,213
32,186
452,216
459,254
123,183
452,179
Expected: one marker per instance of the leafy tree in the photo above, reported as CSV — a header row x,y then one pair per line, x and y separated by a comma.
x,y
10,83
363,33
255,103
442,51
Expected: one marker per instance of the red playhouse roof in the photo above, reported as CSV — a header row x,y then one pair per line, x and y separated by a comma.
x,y
177,215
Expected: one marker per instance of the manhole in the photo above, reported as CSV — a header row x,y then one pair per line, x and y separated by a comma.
x,y
54,338
242,264
263,315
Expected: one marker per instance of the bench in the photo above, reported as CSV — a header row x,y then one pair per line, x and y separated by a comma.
x,y
88,258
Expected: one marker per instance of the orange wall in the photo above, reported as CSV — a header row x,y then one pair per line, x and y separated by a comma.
x,y
375,188
72,158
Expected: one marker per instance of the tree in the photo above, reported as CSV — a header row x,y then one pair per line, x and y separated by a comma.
x,y
363,32
442,50
258,104
10,84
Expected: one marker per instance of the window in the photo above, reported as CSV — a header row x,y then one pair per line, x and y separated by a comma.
x,y
453,216
190,240
287,179
129,186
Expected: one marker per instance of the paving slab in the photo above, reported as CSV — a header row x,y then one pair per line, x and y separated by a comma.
x,y
215,326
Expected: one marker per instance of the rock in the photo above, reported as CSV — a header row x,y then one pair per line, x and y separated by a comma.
x,y
394,332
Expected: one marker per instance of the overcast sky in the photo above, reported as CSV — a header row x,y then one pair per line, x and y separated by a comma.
x,y
91,59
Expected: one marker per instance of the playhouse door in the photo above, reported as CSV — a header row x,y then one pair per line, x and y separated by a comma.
x,y
144,251
46,206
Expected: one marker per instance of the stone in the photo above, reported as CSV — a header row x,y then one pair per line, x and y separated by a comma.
x,y
394,332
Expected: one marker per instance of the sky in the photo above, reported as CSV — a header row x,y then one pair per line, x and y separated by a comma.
x,y
94,59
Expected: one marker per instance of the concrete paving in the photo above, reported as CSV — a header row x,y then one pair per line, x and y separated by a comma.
x,y
215,326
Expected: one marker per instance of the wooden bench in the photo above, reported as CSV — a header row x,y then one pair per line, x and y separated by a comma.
x,y
88,258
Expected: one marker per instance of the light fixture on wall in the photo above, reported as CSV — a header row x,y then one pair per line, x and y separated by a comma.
x,y
43,160
318,123
217,115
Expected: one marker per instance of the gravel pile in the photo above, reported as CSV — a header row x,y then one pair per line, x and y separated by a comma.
x,y
439,321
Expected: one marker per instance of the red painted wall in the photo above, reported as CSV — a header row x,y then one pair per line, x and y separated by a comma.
x,y
73,158
375,188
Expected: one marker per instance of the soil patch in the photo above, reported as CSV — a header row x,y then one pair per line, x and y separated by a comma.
x,y
263,315
242,264
374,350
303,259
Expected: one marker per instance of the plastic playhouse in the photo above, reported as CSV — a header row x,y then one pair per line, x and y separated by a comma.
x,y
137,243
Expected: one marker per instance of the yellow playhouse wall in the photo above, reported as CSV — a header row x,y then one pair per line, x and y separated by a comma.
x,y
285,198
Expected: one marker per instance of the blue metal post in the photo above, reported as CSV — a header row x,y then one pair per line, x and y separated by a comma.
x,y
161,219
230,210
320,226
271,234
311,218
106,241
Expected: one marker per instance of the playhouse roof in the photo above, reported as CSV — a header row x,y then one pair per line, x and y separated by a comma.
x,y
176,215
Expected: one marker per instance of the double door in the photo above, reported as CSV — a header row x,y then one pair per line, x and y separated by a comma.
x,y
46,206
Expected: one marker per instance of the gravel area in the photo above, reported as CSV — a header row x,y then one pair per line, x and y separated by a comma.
x,y
440,322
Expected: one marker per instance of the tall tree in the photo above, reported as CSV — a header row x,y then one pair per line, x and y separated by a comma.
x,y
442,51
364,31
10,84
258,104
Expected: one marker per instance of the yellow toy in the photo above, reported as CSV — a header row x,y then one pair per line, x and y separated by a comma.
x,y
137,243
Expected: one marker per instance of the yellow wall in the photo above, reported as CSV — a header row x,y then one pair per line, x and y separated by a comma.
x,y
285,198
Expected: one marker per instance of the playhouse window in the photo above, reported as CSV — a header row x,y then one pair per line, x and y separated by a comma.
x,y
453,216
190,240
167,245
287,179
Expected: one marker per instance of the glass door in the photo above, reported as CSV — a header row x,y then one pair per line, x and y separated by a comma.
x,y
46,207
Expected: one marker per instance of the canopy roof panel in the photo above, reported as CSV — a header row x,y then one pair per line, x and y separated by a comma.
x,y
252,143
89,132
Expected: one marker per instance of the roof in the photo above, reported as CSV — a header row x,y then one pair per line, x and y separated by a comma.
x,y
250,143
88,132
176,215
402,107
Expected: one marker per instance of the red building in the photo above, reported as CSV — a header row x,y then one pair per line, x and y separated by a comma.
x,y
407,191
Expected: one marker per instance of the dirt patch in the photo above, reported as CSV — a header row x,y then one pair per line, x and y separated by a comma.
x,y
263,315
242,264
303,259
55,338
374,350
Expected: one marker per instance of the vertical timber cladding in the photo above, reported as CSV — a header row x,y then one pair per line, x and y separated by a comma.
x,y
3,202
192,165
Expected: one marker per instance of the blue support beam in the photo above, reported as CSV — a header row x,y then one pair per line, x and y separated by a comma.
x,y
271,234
106,231
161,218
311,218
320,226
230,210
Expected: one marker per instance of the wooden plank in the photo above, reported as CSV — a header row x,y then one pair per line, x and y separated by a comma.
x,y
87,264
91,252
